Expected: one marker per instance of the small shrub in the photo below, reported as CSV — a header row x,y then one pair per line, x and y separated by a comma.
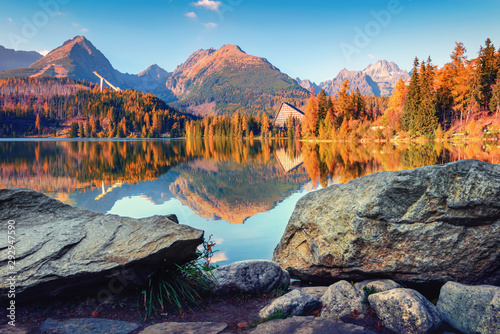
x,y
368,291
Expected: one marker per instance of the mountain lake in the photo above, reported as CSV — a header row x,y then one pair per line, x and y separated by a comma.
x,y
242,193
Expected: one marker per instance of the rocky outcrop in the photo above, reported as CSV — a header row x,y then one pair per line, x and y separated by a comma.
x,y
295,302
432,224
302,325
341,300
471,309
253,277
405,311
60,249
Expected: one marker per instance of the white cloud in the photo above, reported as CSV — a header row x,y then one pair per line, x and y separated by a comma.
x,y
84,30
191,15
371,56
60,13
10,19
44,52
208,4
210,25
76,25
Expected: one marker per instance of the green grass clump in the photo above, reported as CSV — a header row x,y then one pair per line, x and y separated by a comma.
x,y
179,286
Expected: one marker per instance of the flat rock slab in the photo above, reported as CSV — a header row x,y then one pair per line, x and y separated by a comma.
x,y
87,326
61,249
185,328
308,325
428,225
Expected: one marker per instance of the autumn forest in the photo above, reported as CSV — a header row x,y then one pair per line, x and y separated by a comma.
x,y
461,99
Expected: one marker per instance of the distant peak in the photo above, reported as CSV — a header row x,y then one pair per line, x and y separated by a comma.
x,y
231,47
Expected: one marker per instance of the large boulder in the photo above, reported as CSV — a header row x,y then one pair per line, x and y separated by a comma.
x,y
405,311
60,249
252,277
471,309
431,224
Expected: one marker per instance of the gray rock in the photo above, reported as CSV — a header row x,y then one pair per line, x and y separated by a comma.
x,y
405,311
471,309
316,291
253,276
342,299
380,285
308,325
87,326
8,329
295,302
185,328
431,224
61,249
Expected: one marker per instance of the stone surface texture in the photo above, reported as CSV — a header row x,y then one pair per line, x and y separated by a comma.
x,y
62,249
342,299
87,326
431,224
253,277
185,328
380,285
405,311
470,309
295,302
308,325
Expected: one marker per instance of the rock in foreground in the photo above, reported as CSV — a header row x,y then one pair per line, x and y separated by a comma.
x,y
61,249
431,224
471,309
309,325
405,311
252,276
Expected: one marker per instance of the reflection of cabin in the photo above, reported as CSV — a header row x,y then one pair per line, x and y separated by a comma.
x,y
286,110
286,162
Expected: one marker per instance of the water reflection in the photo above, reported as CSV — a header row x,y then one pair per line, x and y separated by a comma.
x,y
226,179
253,185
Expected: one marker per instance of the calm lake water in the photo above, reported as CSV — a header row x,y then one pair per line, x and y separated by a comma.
x,y
241,192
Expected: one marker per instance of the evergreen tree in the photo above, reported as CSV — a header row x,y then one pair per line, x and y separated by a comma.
x,y
73,132
489,63
81,131
426,120
412,100
322,105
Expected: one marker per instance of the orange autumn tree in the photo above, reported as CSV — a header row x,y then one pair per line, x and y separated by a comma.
x,y
310,117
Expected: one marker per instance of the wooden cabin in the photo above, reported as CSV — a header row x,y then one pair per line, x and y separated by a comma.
x,y
286,110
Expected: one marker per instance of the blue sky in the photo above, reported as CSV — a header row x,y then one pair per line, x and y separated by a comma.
x,y
306,39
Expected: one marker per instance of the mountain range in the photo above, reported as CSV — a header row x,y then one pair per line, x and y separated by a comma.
x,y
10,59
376,80
209,82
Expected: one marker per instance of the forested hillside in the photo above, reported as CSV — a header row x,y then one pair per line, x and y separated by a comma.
x,y
36,106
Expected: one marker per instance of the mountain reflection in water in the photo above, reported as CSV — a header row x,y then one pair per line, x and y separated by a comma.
x,y
209,183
